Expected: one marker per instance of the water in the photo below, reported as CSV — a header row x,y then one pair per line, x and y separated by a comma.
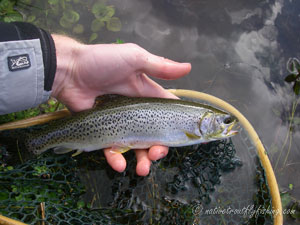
x,y
238,50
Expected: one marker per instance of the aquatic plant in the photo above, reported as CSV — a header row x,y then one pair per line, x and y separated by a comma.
x,y
82,19
8,12
51,105
293,66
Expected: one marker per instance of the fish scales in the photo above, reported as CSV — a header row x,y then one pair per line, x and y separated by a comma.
x,y
125,122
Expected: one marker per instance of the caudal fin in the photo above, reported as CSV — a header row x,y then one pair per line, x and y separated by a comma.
x,y
12,146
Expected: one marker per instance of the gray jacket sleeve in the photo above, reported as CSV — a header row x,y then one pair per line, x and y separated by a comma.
x,y
27,67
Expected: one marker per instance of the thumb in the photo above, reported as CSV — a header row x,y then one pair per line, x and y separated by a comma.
x,y
163,68
77,105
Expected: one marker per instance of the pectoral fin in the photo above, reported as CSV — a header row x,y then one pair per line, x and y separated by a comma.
x,y
62,150
116,149
78,152
191,136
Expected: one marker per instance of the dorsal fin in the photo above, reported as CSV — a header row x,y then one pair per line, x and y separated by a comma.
x,y
103,99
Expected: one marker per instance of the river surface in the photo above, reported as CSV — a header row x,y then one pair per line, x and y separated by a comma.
x,y
238,50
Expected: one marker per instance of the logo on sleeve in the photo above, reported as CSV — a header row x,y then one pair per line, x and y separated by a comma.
x,y
18,62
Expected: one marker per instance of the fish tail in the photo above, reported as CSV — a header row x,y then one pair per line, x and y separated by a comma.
x,y
13,146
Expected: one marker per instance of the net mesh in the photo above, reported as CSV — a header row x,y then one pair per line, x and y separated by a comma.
x,y
181,189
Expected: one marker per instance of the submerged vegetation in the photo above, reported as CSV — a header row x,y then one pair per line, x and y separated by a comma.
x,y
59,189
290,203
8,13
293,66
82,19
51,105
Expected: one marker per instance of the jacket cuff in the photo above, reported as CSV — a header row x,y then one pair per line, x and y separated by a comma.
x,y
27,31
21,76
28,66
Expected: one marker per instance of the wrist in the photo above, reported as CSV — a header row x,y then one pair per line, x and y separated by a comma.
x,y
67,51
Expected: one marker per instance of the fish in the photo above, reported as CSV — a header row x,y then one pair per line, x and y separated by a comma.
x,y
123,123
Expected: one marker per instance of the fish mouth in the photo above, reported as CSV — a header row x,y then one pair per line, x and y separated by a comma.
x,y
233,128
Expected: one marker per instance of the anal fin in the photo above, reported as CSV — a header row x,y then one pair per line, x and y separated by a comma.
x,y
116,149
64,150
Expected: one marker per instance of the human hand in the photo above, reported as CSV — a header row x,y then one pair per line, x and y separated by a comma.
x,y
87,71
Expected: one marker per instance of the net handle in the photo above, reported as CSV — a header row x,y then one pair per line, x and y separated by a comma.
x,y
7,221
271,179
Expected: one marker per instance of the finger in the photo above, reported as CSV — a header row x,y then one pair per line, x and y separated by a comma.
x,y
157,152
115,160
163,68
143,162
81,105
149,88
78,100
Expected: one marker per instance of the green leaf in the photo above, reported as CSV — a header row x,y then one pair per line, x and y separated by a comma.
x,y
14,188
4,196
28,2
285,199
102,11
78,29
291,78
53,2
31,18
114,24
96,25
19,197
89,205
297,64
52,102
80,204
98,7
296,87
63,4
6,5
276,112
293,65
65,23
291,186
119,41
295,120
13,17
71,16
295,208
9,168
93,37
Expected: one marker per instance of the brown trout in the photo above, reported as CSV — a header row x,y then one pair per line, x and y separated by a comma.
x,y
124,123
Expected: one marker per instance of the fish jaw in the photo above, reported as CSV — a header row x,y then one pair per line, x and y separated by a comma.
x,y
215,126
232,129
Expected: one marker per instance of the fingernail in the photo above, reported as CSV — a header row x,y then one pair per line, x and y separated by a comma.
x,y
162,154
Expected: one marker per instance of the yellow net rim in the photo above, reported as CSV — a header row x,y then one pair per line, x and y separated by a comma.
x,y
271,179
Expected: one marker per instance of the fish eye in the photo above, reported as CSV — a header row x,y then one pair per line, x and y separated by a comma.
x,y
228,120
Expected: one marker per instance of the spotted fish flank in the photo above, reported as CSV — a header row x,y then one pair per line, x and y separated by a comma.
x,y
125,123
